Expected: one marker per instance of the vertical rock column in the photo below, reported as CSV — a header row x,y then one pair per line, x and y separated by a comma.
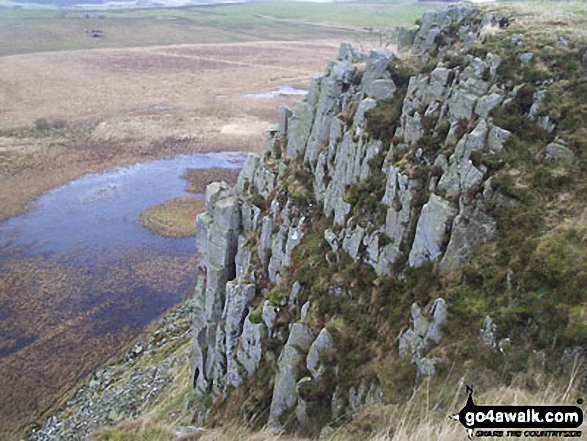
x,y
217,237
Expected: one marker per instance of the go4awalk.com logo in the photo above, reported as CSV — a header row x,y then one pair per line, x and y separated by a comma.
x,y
520,421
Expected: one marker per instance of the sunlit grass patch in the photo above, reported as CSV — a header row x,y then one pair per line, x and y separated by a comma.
x,y
175,218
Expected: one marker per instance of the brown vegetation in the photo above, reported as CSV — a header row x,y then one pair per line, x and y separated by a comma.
x,y
175,218
122,106
198,179
60,329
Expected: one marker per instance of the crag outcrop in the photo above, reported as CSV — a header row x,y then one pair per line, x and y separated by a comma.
x,y
384,176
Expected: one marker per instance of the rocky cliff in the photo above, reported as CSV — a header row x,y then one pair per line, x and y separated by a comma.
x,y
409,215
418,223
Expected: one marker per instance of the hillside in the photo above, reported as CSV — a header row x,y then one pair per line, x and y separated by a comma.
x,y
418,223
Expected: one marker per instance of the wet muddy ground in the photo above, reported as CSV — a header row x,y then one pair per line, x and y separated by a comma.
x,y
80,277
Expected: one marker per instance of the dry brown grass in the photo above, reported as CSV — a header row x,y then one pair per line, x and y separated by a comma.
x,y
198,179
109,98
105,83
418,420
175,218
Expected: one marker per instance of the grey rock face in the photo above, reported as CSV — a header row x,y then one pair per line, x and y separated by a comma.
x,y
526,57
461,105
236,309
363,395
487,103
269,314
345,170
417,341
462,175
275,263
266,230
332,239
545,123
244,270
412,128
406,37
298,129
247,174
339,153
494,198
285,395
250,349
437,215
439,313
264,181
346,52
438,82
487,334
359,120
382,89
217,242
376,68
319,348
327,107
352,240
398,196
284,115
305,311
214,192
497,137
294,237
471,228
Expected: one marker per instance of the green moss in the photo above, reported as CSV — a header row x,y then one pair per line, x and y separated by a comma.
x,y
277,296
259,201
382,120
365,197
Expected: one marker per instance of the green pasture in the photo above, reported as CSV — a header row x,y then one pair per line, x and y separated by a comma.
x,y
41,30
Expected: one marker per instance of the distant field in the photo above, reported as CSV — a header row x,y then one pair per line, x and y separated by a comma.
x,y
26,31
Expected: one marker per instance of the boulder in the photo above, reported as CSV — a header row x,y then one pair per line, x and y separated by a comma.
x,y
558,152
487,103
381,89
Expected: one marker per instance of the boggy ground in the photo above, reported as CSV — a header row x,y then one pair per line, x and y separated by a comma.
x,y
65,114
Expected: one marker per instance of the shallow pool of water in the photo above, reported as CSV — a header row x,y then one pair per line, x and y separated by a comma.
x,y
80,277
101,210
280,91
